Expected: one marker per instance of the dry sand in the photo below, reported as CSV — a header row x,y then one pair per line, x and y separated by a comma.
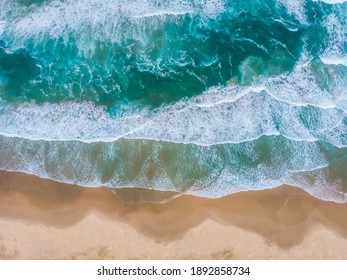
x,y
42,219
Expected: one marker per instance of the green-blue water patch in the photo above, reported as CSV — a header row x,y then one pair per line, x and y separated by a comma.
x,y
178,56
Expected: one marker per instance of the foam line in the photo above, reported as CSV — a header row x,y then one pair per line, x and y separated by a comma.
x,y
291,105
97,20
211,171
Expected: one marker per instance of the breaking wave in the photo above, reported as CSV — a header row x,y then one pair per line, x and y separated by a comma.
x,y
195,96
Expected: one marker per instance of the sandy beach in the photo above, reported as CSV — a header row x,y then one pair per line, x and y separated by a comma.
x,y
43,219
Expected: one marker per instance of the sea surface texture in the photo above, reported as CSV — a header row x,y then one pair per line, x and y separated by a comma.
x,y
208,97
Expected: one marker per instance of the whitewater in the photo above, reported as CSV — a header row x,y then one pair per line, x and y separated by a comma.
x,y
195,96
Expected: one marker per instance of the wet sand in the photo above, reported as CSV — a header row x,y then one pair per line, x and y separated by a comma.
x,y
43,219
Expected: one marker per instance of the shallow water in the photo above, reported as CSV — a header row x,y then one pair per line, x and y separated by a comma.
x,y
205,97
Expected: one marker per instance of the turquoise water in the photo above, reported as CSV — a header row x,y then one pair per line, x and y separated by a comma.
x,y
205,97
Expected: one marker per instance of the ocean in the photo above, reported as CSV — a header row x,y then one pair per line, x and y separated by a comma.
x,y
205,97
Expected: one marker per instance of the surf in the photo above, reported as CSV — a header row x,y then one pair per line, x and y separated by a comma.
x,y
201,97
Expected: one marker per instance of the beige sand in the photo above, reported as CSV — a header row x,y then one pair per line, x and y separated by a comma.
x,y
42,219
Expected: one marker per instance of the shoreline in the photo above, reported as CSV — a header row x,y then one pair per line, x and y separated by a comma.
x,y
44,219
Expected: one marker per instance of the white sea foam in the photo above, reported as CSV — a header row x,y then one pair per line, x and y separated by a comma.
x,y
67,121
163,13
296,8
303,86
232,114
335,60
2,27
95,20
292,105
294,109
212,171
335,53
316,183
298,105
331,1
